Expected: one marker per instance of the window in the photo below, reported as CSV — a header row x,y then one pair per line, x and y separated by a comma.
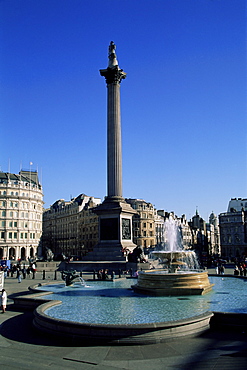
x,y
15,235
10,224
21,235
10,235
25,235
2,234
15,224
4,213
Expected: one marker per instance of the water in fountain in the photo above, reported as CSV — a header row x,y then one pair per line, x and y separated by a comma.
x,y
82,281
173,236
173,255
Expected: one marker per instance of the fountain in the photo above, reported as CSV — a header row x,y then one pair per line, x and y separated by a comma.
x,y
103,312
180,273
116,314
69,276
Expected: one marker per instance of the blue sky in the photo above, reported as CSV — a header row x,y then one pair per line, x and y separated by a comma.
x,y
183,102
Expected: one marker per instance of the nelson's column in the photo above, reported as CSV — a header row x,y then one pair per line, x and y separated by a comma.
x,y
115,215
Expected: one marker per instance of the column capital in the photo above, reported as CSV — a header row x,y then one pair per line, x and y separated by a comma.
x,y
113,75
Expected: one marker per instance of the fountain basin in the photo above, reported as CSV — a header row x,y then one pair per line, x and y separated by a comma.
x,y
118,334
173,254
159,282
110,312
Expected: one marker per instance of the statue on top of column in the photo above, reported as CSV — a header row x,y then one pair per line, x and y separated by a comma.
x,y
112,56
113,73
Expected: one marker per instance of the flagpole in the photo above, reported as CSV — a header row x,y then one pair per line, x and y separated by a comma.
x,y
20,171
9,171
30,168
41,176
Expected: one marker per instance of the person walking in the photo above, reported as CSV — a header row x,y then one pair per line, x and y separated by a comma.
x,y
28,272
3,300
19,275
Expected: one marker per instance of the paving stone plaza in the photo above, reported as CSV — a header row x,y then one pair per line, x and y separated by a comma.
x,y
22,347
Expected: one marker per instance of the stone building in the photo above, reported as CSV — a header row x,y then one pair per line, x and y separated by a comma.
x,y
70,227
213,235
233,234
199,234
237,204
149,226
144,233
186,232
21,207
159,230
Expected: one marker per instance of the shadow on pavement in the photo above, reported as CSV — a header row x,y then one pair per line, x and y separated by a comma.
x,y
20,329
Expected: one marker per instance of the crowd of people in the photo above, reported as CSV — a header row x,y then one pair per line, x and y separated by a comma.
x,y
104,275
220,269
240,269
18,270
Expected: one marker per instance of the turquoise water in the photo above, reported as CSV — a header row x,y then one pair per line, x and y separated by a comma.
x,y
115,302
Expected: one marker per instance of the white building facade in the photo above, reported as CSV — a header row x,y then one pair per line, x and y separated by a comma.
x,y
21,208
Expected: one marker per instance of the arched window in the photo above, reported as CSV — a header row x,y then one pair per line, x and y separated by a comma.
x,y
23,253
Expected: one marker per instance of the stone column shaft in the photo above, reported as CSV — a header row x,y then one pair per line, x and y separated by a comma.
x,y
114,142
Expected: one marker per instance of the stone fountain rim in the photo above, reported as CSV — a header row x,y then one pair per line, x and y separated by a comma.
x,y
146,333
173,252
165,271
